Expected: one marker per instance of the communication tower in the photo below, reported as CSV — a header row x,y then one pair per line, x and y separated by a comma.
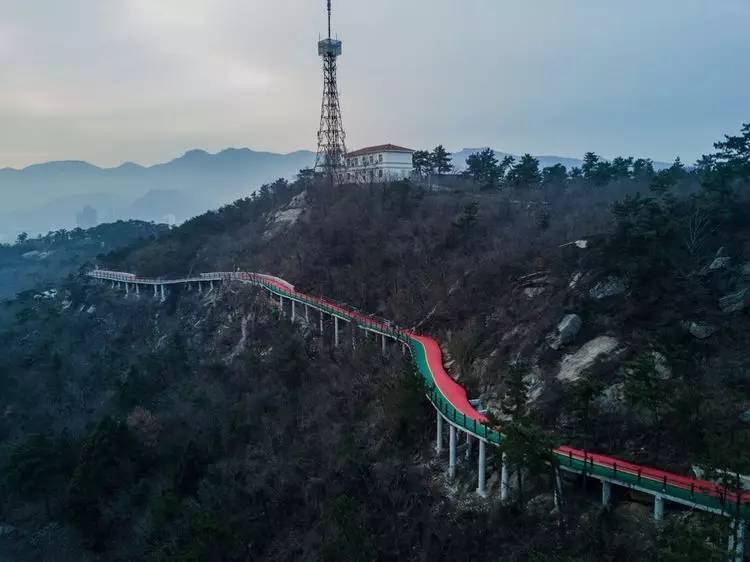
x,y
330,159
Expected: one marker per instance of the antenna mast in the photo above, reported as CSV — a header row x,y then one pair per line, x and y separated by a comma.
x,y
331,157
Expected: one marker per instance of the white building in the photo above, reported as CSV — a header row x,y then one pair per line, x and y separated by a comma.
x,y
385,162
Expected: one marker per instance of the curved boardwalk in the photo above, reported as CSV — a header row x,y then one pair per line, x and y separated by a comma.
x,y
454,408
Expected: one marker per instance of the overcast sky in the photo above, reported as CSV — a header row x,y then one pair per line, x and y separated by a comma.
x,y
144,80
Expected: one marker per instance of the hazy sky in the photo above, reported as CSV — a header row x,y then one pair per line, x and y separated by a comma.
x,y
145,80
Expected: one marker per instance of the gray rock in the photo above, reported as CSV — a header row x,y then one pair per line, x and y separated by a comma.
x,y
736,301
701,330
532,292
612,399
610,287
721,252
720,263
569,327
567,330
575,365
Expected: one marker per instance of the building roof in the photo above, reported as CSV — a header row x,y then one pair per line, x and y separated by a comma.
x,y
379,148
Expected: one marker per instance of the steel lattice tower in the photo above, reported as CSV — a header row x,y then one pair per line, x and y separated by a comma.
x,y
330,159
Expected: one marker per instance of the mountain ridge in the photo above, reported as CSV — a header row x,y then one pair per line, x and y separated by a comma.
x,y
45,196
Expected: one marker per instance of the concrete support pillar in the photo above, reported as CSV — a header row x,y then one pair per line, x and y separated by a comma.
x,y
468,446
439,438
281,305
606,493
307,313
200,287
382,345
211,285
294,312
736,546
127,289
504,479
156,291
482,478
557,495
321,323
335,331
137,289
658,508
452,453
163,296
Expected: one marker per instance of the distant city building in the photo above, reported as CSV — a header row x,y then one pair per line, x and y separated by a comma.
x,y
87,218
385,162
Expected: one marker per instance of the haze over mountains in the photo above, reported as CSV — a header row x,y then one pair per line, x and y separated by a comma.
x,y
47,196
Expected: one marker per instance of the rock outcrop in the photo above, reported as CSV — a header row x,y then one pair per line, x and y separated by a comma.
x,y
573,366
735,302
610,287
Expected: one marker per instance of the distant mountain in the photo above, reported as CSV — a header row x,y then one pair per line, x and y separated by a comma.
x,y
459,159
46,196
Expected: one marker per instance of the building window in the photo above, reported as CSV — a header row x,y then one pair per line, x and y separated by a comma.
x,y
380,173
380,158
372,160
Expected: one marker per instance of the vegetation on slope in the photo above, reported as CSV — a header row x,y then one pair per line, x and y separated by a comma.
x,y
157,437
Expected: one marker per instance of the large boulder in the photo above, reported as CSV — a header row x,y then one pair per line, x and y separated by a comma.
x,y
735,302
610,287
567,330
722,262
573,366
569,327
701,330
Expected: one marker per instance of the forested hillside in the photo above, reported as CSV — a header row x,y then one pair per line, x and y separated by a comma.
x,y
605,308
34,261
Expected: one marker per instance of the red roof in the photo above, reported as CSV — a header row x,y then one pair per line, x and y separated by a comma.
x,y
378,148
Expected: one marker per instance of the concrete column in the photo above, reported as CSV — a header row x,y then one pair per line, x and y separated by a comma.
x,y
211,284
557,495
658,508
137,289
281,305
606,493
200,287
504,479
382,345
156,291
294,312
307,313
452,453
321,323
482,469
163,296
468,445
127,289
335,331
439,438
736,546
